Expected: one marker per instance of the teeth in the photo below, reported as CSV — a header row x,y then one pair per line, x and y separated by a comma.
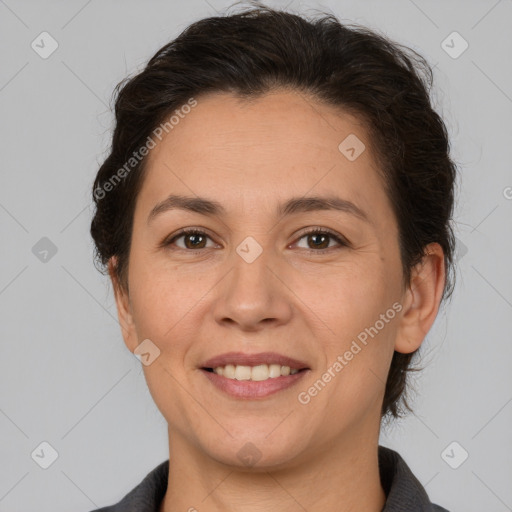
x,y
242,372
255,373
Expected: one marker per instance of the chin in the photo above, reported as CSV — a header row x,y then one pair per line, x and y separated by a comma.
x,y
257,452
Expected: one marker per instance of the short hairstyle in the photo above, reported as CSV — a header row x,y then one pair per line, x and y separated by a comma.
x,y
347,66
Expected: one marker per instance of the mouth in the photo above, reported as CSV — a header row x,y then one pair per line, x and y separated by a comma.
x,y
253,376
257,373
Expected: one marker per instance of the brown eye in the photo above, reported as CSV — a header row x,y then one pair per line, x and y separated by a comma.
x,y
191,239
319,240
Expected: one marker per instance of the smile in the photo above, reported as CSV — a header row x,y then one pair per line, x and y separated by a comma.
x,y
255,373
252,383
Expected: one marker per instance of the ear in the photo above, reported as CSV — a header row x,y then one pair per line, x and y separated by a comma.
x,y
124,312
421,300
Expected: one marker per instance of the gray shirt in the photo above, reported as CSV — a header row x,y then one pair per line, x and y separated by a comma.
x,y
403,490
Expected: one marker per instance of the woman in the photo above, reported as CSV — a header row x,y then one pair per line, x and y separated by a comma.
x,y
275,218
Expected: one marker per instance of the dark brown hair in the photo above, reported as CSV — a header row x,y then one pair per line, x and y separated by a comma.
x,y
347,66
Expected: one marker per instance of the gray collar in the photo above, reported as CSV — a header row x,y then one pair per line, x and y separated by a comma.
x,y
403,490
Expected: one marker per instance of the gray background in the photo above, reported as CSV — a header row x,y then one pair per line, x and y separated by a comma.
x,y
66,375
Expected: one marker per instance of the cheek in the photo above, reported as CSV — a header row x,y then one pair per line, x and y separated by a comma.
x,y
163,306
357,329
346,297
162,298
162,317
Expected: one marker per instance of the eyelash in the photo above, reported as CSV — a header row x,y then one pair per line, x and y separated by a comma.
x,y
315,231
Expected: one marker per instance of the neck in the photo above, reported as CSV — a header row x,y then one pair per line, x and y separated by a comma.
x,y
338,477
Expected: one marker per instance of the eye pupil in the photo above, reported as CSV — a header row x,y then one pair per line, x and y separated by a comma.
x,y
319,243
196,240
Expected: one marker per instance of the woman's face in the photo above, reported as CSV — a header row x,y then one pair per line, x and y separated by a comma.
x,y
254,281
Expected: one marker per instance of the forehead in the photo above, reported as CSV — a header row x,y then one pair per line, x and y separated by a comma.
x,y
277,145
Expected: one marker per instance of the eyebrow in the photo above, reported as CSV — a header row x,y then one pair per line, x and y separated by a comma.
x,y
295,205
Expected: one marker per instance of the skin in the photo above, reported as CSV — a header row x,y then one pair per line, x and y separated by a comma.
x,y
194,304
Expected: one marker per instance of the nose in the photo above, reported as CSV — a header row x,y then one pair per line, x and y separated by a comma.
x,y
252,296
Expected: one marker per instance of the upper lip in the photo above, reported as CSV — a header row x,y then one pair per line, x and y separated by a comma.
x,y
239,358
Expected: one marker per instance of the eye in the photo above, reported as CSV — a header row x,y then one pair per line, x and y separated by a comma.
x,y
191,239
319,240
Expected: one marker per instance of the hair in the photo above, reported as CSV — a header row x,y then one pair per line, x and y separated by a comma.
x,y
347,66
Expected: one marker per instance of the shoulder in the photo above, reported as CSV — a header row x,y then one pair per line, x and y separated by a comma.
x,y
403,490
146,496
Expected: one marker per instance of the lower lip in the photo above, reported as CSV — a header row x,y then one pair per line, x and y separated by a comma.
x,y
249,389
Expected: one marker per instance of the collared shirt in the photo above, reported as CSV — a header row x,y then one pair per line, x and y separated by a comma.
x,y
404,493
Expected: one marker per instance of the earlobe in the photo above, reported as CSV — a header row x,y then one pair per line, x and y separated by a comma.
x,y
421,300
124,312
